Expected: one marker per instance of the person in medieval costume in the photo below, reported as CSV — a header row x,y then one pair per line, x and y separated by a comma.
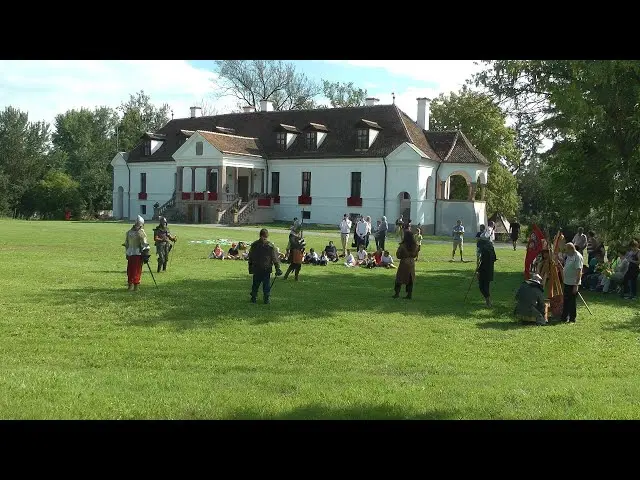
x,y
406,274
485,268
262,259
137,252
531,306
161,237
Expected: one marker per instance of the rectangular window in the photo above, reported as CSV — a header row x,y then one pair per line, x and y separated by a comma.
x,y
306,184
281,138
310,140
147,148
306,215
199,148
213,181
143,183
143,209
363,139
275,184
356,184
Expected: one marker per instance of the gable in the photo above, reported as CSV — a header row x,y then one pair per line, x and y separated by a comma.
x,y
189,150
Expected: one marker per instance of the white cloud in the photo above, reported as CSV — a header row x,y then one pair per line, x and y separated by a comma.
x,y
47,88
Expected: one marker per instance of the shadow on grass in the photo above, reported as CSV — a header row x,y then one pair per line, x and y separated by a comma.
x,y
323,294
633,325
315,411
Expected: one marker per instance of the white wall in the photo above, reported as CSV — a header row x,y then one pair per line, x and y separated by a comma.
x,y
330,187
160,185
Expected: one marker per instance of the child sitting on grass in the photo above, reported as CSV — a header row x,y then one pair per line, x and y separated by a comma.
x,y
217,253
350,261
387,260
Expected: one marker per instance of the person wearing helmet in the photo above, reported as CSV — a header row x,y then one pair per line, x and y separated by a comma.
x,y
137,252
531,306
161,237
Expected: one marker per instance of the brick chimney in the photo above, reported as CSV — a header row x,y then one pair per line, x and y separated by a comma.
x,y
249,108
423,112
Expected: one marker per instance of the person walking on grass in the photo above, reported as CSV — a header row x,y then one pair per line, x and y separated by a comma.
x,y
345,230
406,273
485,268
514,230
458,240
137,252
161,237
262,259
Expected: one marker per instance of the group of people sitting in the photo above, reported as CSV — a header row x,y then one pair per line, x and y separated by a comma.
x,y
618,275
365,259
238,251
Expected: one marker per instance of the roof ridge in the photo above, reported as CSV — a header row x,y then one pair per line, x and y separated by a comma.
x,y
473,148
404,125
453,144
227,134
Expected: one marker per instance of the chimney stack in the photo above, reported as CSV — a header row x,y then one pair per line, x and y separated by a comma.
x,y
423,112
371,101
249,109
266,106
196,112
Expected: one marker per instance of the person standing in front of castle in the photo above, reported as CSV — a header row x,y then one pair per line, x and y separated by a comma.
x,y
161,237
262,258
571,277
345,229
137,252
406,274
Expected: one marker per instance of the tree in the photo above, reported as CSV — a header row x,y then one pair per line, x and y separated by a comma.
x,y
139,115
591,111
207,108
53,195
484,124
84,141
253,80
344,94
23,148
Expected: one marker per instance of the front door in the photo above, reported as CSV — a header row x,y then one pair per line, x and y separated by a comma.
x,y
243,188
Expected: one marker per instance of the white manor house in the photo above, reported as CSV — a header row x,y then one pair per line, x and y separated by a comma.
x,y
259,167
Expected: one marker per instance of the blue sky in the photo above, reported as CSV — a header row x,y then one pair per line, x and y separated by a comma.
x,y
46,88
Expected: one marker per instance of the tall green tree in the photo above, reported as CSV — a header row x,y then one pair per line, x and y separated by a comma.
x,y
591,110
344,94
23,149
139,115
84,141
484,124
53,195
250,81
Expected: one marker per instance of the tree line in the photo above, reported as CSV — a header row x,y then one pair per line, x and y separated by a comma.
x,y
589,109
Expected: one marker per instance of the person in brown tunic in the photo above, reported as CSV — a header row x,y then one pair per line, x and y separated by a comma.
x,y
406,274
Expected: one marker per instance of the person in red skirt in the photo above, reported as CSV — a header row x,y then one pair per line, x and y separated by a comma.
x,y
137,251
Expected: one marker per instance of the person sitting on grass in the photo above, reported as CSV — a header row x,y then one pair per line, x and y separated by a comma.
x,y
331,252
369,262
362,255
531,303
217,253
233,253
324,260
281,255
350,261
387,260
311,257
377,257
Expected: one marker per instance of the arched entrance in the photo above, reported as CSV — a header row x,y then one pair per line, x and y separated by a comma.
x,y
458,186
404,205
120,203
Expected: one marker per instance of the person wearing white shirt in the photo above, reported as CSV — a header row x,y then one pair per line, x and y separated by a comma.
x,y
458,240
367,220
387,260
350,261
571,276
362,255
580,240
345,229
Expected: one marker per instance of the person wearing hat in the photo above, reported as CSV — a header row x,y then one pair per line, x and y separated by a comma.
x,y
161,237
531,305
137,252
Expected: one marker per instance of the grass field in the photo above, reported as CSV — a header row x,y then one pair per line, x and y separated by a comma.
x,y
74,344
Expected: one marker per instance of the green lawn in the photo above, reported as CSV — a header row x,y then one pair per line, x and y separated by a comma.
x,y
74,344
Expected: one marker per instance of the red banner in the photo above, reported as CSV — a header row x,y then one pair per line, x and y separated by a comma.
x,y
537,242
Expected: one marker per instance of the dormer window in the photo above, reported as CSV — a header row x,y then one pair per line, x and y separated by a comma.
x,y
362,142
311,142
281,140
147,148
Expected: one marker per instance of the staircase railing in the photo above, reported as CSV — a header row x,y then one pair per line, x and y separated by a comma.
x,y
227,213
160,211
247,209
